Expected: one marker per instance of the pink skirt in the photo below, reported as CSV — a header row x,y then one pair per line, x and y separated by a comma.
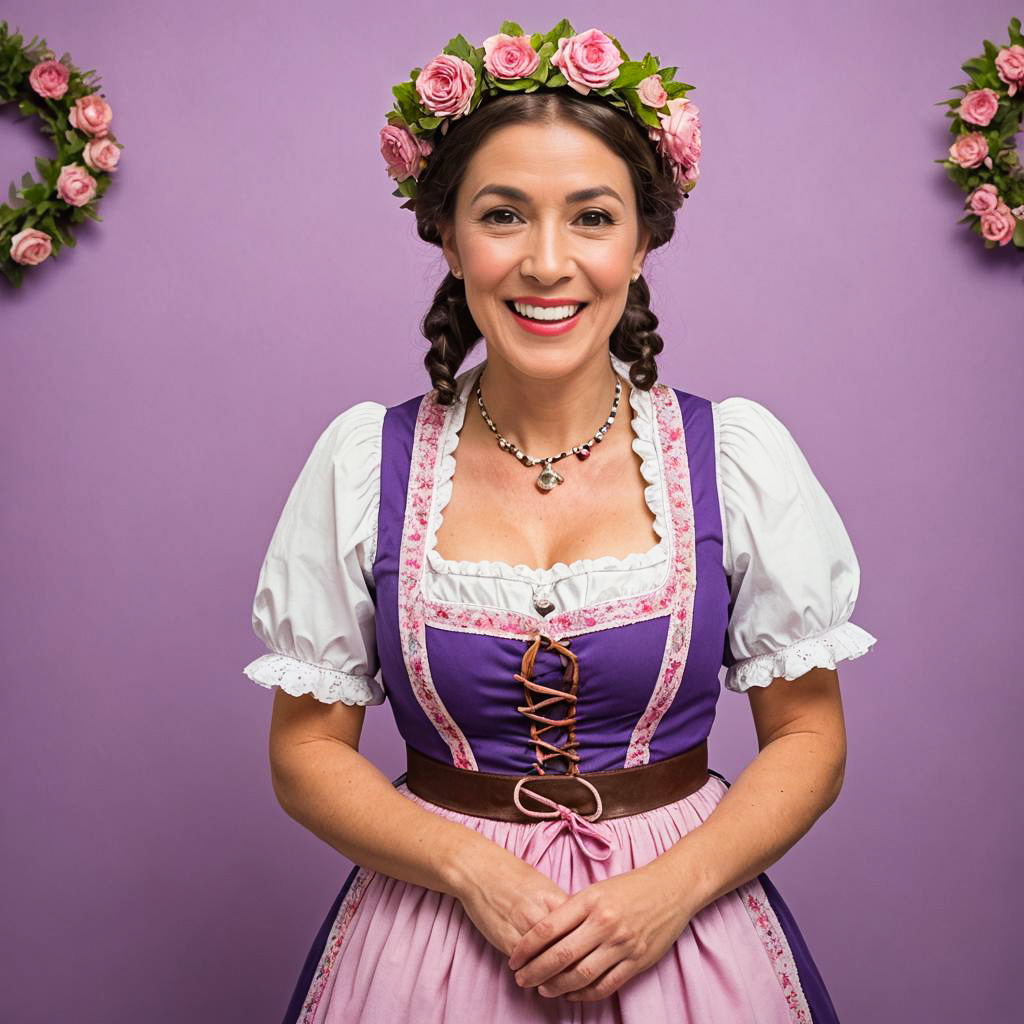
x,y
391,952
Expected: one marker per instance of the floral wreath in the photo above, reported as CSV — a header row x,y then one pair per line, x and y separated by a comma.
x,y
985,164
77,118
455,82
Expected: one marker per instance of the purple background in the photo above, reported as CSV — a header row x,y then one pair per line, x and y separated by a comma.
x,y
164,381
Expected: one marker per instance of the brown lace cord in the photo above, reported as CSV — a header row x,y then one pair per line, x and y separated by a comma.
x,y
544,750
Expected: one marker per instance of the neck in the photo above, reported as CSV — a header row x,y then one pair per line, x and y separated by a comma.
x,y
545,416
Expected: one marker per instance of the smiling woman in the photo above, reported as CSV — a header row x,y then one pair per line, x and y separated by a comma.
x,y
594,221
551,642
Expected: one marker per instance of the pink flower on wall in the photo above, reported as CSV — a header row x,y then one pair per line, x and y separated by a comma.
x,y
49,78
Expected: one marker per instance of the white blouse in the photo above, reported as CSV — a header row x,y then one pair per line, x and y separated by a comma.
x,y
794,574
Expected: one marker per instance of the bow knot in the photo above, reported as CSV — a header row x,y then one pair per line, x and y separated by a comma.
x,y
565,817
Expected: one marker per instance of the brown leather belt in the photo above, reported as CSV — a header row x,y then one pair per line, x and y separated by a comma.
x,y
622,790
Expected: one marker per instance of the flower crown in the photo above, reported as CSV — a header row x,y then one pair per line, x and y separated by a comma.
x,y
458,79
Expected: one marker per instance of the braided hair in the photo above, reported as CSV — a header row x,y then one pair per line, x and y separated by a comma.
x,y
448,325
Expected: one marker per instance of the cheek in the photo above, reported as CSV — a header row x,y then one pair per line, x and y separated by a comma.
x,y
489,259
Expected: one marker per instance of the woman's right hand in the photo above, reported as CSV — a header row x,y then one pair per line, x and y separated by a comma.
x,y
505,897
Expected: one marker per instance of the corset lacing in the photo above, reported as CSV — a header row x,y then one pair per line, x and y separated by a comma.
x,y
544,751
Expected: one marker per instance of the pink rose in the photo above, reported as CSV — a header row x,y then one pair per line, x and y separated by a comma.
x,y
75,185
402,151
587,60
970,150
510,56
102,154
979,106
446,86
998,225
1010,66
30,247
652,92
680,134
91,114
984,197
49,78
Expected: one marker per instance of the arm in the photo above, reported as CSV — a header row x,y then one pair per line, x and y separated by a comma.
x,y
795,777
322,781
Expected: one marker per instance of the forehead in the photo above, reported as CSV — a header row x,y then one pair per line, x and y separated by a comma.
x,y
545,160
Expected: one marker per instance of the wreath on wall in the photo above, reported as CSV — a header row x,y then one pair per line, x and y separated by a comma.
x,y
37,222
983,158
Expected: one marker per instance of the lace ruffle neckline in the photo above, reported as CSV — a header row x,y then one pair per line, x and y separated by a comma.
x,y
644,444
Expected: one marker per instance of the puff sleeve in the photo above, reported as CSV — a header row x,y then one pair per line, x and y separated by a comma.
x,y
794,576
314,604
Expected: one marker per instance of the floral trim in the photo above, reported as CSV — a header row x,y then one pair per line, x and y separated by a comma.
x,y
845,640
327,685
332,948
777,947
673,596
411,619
677,645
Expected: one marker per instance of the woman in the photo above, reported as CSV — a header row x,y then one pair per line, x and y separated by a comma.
x,y
550,627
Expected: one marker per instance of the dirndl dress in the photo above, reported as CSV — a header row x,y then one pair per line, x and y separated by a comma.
x,y
390,951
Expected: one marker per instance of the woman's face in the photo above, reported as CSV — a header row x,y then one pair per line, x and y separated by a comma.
x,y
520,232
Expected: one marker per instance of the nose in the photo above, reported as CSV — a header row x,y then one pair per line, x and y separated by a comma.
x,y
548,257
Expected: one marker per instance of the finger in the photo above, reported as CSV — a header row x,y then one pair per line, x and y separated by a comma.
x,y
547,930
611,981
585,972
560,957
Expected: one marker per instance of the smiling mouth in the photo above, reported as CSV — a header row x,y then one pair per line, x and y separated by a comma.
x,y
579,309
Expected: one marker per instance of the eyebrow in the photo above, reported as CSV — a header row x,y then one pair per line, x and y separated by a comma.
x,y
583,194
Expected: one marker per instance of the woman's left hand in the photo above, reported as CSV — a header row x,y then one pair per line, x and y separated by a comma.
x,y
601,936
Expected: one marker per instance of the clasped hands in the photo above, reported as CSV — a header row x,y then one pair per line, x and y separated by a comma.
x,y
600,937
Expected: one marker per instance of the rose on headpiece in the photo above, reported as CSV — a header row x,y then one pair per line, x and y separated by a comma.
x,y
454,83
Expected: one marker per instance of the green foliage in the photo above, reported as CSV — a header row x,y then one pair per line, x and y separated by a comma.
x,y
35,204
999,134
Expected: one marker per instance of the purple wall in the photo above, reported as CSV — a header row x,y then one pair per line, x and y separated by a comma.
x,y
163,382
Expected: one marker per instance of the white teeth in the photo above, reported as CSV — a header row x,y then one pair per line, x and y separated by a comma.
x,y
545,312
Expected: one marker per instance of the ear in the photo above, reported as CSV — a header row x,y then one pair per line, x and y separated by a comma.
x,y
451,254
645,240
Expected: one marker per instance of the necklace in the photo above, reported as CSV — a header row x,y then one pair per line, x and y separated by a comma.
x,y
549,479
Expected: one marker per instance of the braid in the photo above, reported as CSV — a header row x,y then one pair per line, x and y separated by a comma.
x,y
453,334
635,340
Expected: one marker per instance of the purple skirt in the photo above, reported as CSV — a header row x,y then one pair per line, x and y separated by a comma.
x,y
391,952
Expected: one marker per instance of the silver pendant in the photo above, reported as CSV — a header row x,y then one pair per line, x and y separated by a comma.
x,y
548,479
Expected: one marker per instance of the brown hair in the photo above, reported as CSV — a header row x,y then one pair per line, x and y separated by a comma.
x,y
449,325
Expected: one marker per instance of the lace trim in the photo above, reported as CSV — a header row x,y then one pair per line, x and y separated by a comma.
x,y
643,444
843,641
328,685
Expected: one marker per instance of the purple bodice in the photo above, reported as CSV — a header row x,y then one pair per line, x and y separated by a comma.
x,y
646,665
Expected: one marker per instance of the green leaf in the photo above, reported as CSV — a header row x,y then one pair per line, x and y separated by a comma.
x,y
517,85
562,29
458,47
1018,234
510,28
